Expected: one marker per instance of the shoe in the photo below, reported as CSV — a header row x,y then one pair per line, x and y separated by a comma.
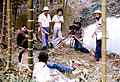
x,y
85,51
51,45
72,68
95,60
44,48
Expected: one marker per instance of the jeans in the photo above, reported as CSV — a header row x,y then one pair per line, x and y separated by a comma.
x,y
60,67
79,46
45,37
55,40
98,49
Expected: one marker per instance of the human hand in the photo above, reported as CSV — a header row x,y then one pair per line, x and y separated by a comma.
x,y
51,30
39,29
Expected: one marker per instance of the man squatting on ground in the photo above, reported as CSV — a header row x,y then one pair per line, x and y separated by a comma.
x,y
77,31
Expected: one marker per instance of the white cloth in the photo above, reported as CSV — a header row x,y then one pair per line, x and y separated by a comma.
x,y
57,18
44,20
41,72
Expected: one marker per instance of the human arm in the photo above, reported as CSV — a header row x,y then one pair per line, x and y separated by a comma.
x,y
40,27
26,38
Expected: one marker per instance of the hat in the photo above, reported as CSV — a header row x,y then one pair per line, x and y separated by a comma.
x,y
97,11
45,8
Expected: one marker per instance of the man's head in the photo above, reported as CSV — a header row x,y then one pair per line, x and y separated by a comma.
x,y
98,14
60,11
78,24
24,28
43,57
45,10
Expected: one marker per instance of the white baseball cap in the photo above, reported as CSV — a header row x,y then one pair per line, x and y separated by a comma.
x,y
97,11
45,8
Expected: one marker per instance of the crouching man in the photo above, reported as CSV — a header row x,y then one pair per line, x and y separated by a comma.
x,y
77,31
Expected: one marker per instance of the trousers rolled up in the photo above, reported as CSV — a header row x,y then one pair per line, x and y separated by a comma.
x,y
98,49
55,40
45,36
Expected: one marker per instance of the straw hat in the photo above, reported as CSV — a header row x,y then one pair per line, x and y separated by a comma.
x,y
97,11
45,8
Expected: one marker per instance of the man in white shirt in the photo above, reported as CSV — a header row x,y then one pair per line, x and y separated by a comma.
x,y
98,33
57,21
41,72
44,20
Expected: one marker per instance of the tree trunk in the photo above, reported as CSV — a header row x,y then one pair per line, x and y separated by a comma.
x,y
104,52
15,19
63,4
9,10
3,22
30,34
0,21
43,4
36,16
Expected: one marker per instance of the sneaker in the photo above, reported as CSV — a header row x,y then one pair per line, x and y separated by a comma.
x,y
44,48
51,45
72,68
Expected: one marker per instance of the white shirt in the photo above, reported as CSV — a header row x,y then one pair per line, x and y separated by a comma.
x,y
98,25
44,20
98,29
41,72
57,18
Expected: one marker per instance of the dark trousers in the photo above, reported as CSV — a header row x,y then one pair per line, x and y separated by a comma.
x,y
20,55
98,49
79,46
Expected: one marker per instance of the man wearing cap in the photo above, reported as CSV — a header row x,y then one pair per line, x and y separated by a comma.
x,y
44,20
98,34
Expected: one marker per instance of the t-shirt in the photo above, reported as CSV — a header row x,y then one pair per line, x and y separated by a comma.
x,y
79,32
57,18
44,20
20,38
41,72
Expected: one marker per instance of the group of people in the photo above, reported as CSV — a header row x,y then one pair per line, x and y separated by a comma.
x,y
75,30
44,20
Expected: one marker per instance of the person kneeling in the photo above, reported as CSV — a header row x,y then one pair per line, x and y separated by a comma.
x,y
78,32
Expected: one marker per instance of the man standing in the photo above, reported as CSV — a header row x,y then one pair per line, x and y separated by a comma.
x,y
22,40
98,33
44,20
57,21
22,37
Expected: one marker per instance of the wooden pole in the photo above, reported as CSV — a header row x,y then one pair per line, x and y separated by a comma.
x,y
85,46
3,22
30,34
59,45
9,10
104,50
